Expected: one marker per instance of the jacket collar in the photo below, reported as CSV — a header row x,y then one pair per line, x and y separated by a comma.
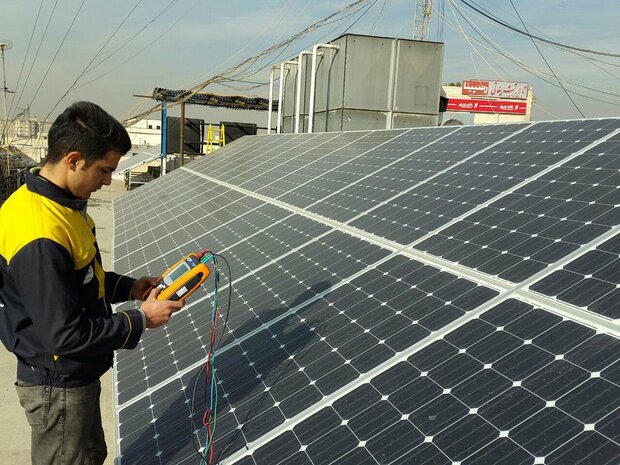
x,y
42,186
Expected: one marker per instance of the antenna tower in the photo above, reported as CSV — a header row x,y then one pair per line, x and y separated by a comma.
x,y
422,19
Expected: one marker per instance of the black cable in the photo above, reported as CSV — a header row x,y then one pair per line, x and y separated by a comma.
x,y
330,20
555,84
57,51
247,71
254,59
590,59
360,16
19,78
86,68
119,47
49,20
97,54
147,46
512,28
245,82
374,26
442,9
547,63
524,68
229,277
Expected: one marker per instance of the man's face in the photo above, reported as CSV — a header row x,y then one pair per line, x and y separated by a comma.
x,y
85,180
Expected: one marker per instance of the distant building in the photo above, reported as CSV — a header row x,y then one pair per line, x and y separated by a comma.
x,y
10,129
145,133
28,127
489,102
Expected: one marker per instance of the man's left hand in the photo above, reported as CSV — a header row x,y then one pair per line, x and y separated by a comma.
x,y
142,286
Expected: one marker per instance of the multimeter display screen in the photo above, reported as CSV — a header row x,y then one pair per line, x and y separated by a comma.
x,y
176,273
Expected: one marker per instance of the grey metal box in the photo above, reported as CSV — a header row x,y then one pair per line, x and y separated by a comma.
x,y
369,74
320,121
290,76
330,73
413,120
367,80
353,120
418,74
288,124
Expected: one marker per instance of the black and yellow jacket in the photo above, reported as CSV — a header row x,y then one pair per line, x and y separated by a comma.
x,y
55,312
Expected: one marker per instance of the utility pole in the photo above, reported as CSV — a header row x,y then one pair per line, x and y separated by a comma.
x,y
29,123
5,45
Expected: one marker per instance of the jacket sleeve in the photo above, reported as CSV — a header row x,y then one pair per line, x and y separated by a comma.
x,y
118,287
45,279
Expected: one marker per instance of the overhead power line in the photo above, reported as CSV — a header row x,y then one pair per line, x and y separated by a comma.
x,y
19,78
547,63
512,28
530,68
250,61
132,37
526,67
472,49
86,69
374,26
34,60
339,19
147,46
593,61
57,51
256,66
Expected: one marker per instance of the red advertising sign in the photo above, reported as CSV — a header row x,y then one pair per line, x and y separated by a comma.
x,y
499,89
471,87
486,106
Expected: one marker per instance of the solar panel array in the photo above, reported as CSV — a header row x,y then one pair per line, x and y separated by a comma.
x,y
137,159
425,296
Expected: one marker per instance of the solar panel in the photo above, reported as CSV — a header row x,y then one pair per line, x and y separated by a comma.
x,y
137,159
427,153
465,186
313,163
591,281
354,337
547,218
515,385
257,151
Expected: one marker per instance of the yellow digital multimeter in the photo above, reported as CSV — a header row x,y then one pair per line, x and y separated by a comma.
x,y
180,280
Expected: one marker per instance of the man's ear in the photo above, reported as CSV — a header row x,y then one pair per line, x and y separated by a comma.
x,y
72,160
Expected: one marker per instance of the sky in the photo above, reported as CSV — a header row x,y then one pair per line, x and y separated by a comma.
x,y
109,52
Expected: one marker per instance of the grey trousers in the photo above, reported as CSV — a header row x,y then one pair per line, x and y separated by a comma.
x,y
65,424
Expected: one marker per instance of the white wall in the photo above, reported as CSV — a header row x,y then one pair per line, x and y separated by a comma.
x,y
145,133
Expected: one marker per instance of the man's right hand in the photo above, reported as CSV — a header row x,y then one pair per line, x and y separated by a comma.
x,y
158,312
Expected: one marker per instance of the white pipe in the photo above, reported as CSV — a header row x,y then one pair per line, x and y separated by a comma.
x,y
270,98
313,82
298,98
281,93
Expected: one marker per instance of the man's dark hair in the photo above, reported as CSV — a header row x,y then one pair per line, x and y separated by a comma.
x,y
86,128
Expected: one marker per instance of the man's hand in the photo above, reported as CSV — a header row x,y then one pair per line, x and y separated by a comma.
x,y
142,286
158,312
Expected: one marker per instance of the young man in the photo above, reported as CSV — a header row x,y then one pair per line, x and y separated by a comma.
x,y
55,312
